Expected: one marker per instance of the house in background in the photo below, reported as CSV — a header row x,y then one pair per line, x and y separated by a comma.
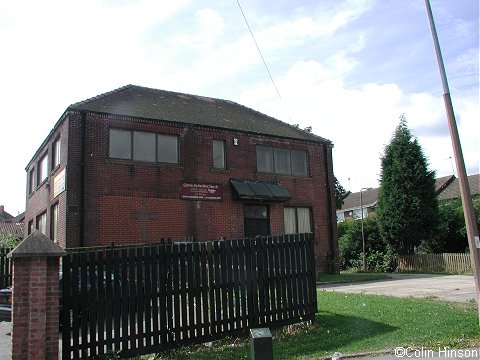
x,y
453,189
446,187
11,225
137,164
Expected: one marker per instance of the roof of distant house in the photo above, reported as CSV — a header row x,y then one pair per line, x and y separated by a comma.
x,y
369,199
11,228
161,105
453,190
442,183
446,187
5,216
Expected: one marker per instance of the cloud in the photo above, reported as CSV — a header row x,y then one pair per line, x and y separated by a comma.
x,y
210,27
361,121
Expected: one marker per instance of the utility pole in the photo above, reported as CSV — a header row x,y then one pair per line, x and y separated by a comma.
x,y
364,257
472,230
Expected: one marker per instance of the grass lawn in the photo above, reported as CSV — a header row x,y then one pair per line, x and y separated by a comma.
x,y
351,323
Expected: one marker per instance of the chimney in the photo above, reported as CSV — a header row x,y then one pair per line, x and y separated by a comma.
x,y
2,210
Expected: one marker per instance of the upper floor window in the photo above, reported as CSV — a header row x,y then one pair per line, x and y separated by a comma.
x,y
56,154
219,154
143,146
282,161
42,169
31,181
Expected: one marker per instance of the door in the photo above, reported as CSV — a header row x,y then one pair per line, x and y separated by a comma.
x,y
256,220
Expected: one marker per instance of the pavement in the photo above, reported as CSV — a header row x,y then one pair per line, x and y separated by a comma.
x,y
455,288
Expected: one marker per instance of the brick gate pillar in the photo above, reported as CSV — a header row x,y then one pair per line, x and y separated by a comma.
x,y
35,304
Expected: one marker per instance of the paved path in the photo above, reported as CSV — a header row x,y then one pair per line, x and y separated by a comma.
x,y
456,288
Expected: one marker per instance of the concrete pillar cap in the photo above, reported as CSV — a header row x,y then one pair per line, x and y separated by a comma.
x,y
37,245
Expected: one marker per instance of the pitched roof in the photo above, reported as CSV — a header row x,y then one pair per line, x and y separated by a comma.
x,y
442,183
4,216
148,103
446,187
352,201
10,228
453,190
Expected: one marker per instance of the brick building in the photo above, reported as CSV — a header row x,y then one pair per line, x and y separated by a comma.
x,y
138,164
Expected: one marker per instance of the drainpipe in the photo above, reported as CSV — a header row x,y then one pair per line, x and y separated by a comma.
x,y
331,252
83,139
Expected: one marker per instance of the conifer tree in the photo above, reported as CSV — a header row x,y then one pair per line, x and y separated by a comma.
x,y
407,203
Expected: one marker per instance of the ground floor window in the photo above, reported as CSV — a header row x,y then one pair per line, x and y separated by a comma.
x,y
54,223
42,223
297,220
256,220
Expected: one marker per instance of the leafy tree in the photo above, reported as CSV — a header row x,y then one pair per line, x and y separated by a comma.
x,y
9,241
452,232
379,255
340,193
407,203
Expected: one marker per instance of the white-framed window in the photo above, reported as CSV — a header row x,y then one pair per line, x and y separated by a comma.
x,y
42,223
219,158
282,161
297,220
42,169
31,181
56,153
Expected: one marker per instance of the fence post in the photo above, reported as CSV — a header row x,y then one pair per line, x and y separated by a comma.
x,y
261,344
35,305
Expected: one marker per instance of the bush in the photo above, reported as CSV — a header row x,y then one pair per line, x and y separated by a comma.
x,y
451,235
379,256
9,241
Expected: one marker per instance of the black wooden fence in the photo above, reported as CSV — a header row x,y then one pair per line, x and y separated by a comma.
x,y
5,269
141,300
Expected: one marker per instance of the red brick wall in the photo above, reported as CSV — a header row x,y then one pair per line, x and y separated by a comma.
x,y
114,190
42,198
35,312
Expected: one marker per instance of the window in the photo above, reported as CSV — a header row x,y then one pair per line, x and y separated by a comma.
x,y
167,149
219,154
56,155
282,161
256,220
120,146
297,220
265,159
299,162
31,181
42,169
54,223
42,223
143,146
30,227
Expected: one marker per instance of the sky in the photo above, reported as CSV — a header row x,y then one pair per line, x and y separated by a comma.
x,y
347,68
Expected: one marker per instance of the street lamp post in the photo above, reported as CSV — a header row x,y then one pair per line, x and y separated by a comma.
x,y
364,257
469,213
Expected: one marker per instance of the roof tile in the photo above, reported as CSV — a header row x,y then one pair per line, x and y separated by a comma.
x,y
148,103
